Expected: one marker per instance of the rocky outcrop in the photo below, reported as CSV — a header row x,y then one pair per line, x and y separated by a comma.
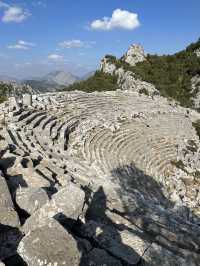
x,y
127,80
195,82
134,55
197,52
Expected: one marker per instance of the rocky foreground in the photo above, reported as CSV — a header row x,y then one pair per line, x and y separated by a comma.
x,y
99,179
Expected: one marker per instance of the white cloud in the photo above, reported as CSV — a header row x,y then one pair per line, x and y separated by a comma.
x,y
55,57
76,44
121,19
21,45
39,3
13,13
72,44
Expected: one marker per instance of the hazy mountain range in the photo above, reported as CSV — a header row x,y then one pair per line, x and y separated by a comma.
x,y
50,82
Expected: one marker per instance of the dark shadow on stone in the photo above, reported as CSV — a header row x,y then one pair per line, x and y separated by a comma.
x,y
97,205
13,183
15,261
133,180
50,191
146,207
97,212
6,163
10,238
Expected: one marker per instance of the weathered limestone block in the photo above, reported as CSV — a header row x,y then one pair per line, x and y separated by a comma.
x,y
50,245
27,100
65,204
13,104
8,215
31,199
9,222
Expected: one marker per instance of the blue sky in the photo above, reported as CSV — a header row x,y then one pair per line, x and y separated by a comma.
x,y
40,36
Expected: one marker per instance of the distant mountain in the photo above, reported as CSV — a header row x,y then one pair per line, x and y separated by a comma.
x,y
60,78
52,81
8,78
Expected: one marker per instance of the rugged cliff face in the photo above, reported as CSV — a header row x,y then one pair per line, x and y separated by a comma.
x,y
127,80
195,82
172,76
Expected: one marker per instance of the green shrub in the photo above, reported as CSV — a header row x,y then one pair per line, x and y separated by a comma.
x,y
5,90
99,82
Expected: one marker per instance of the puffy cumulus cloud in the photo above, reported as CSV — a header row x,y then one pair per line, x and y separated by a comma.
x,y
22,45
13,13
55,57
121,19
76,44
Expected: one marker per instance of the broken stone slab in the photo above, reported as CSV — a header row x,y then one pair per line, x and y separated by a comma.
x,y
122,244
9,222
31,199
8,215
66,204
158,255
50,244
21,174
98,257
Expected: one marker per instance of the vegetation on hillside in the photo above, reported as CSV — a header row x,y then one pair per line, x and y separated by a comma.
x,y
171,74
99,82
5,89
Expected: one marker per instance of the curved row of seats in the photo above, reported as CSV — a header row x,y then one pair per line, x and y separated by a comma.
x,y
146,134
